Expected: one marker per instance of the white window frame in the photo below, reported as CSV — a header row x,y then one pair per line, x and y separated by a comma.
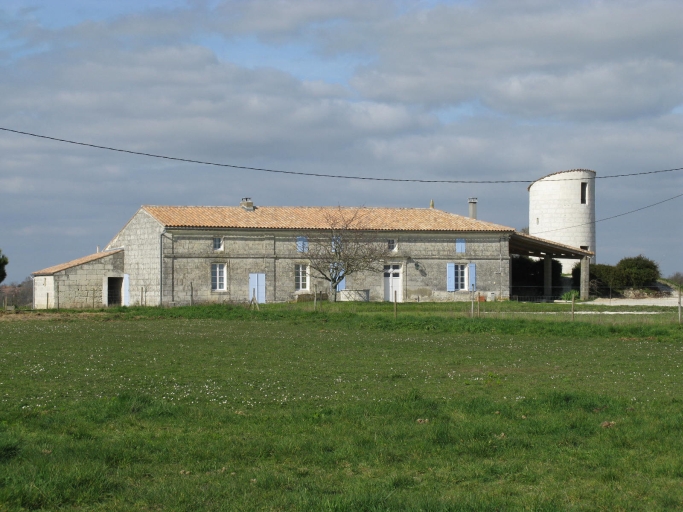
x,y
462,280
302,270
221,243
217,269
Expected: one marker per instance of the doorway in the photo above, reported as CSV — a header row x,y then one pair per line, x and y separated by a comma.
x,y
257,287
114,289
392,283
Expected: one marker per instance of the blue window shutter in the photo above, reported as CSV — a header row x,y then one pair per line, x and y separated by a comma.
x,y
302,243
460,245
261,292
450,277
473,277
342,285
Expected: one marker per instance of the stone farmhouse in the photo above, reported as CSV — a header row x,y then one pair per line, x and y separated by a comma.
x,y
179,255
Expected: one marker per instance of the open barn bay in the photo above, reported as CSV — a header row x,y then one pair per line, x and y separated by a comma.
x,y
293,410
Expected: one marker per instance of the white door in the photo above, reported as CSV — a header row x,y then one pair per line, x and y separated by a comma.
x,y
257,287
392,282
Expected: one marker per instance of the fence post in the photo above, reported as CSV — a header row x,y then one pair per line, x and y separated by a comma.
x,y
191,294
478,306
573,299
395,302
679,304
472,305
254,301
315,296
47,302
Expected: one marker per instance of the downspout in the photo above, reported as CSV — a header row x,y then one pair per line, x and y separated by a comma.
x,y
161,267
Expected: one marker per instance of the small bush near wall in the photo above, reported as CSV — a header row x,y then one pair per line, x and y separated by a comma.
x,y
636,272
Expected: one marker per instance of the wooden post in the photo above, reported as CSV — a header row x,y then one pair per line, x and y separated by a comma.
x,y
573,299
472,302
254,301
315,296
395,302
478,306
93,299
141,297
191,294
47,302
679,304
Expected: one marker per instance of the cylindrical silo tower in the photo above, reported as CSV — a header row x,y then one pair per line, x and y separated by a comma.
x,y
562,209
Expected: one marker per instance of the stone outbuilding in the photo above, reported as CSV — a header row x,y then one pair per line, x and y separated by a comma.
x,y
180,255
89,282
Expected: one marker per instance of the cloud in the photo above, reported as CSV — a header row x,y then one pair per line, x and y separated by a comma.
x,y
531,88
581,60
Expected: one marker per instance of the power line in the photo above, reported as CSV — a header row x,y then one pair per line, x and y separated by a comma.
x,y
318,175
608,218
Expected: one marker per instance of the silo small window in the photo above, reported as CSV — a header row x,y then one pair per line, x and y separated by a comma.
x,y
584,192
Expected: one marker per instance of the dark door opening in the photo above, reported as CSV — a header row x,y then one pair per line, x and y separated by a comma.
x,y
114,287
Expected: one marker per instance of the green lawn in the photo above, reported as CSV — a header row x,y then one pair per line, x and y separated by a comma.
x,y
220,408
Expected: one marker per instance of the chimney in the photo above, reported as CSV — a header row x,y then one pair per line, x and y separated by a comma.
x,y
473,207
431,203
247,204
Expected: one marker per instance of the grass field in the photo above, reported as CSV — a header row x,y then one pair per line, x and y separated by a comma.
x,y
221,408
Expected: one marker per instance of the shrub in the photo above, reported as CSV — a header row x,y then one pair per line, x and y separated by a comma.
x,y
570,294
638,271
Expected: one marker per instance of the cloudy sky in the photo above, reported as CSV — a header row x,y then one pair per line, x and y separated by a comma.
x,y
462,90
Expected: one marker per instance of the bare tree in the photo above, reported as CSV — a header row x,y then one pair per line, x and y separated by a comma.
x,y
347,247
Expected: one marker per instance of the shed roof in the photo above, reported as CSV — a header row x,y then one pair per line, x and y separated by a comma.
x,y
315,217
74,263
528,245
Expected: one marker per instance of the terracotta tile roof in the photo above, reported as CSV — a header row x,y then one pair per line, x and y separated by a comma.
x,y
560,172
311,217
73,263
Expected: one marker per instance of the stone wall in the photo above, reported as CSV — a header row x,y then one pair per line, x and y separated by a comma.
x,y
43,292
141,240
189,254
83,286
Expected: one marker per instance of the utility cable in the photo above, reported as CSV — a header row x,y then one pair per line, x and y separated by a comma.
x,y
319,175
608,218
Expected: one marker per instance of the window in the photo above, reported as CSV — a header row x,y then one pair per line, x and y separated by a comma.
x,y
391,244
455,277
300,277
584,192
584,247
217,243
302,244
218,277
460,245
